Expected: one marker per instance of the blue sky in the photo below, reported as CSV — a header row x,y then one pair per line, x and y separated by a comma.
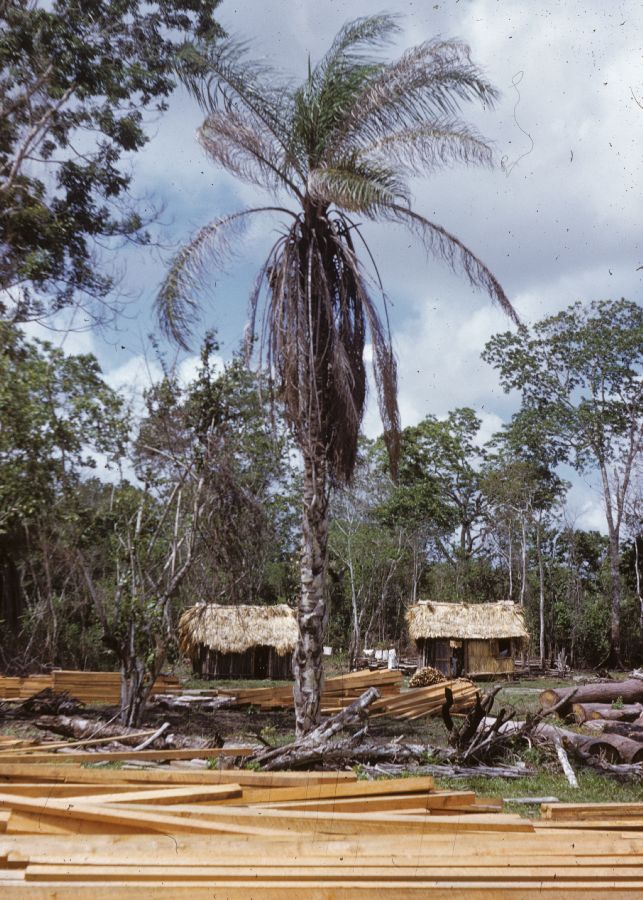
x,y
558,219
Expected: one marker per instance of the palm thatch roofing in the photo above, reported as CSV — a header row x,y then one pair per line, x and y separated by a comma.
x,y
466,621
235,629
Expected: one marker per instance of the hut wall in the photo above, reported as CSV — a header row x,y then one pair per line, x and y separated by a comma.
x,y
435,652
256,662
492,657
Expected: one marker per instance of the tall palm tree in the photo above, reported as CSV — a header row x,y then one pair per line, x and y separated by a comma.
x,y
339,147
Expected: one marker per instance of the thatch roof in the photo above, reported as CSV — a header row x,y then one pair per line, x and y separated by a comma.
x,y
466,621
234,629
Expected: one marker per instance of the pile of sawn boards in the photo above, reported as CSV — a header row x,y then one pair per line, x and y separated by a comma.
x,y
70,832
89,687
342,690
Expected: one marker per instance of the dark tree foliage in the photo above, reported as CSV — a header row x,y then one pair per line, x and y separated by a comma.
x,y
76,78
58,416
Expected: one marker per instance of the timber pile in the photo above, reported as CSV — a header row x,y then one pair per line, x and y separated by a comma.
x,y
341,691
116,835
89,687
338,692
607,692
428,701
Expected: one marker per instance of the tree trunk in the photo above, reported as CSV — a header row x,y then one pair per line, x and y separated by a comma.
x,y
616,600
308,656
541,591
134,692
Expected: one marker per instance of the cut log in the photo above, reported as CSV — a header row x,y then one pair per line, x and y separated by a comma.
x,y
583,712
614,748
630,691
627,729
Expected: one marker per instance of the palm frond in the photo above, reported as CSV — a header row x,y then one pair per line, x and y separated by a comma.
x,y
177,304
428,82
221,75
336,80
357,188
448,247
418,150
232,139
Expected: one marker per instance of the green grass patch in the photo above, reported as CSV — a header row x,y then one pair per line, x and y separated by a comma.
x,y
592,788
231,684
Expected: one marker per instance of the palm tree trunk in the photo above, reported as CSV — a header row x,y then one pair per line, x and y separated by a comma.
x,y
308,656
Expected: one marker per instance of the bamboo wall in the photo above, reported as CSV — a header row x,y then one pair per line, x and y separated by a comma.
x,y
482,658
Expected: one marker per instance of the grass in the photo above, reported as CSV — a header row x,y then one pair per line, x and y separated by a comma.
x,y
231,683
592,788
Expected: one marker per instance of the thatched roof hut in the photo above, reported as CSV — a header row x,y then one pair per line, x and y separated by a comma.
x,y
466,621
229,641
477,638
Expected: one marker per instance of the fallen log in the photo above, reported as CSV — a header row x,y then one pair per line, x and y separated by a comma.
x,y
314,745
83,729
630,691
610,747
584,712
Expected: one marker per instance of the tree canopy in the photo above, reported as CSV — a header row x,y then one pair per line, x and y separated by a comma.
x,y
76,79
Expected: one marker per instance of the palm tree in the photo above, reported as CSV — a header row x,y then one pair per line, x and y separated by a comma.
x,y
339,148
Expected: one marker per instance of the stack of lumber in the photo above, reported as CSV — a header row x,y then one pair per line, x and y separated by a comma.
x,y
89,687
343,690
338,692
426,701
116,835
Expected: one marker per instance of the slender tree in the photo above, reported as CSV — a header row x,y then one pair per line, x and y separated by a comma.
x,y
339,146
582,395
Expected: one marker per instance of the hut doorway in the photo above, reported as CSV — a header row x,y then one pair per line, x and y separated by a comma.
x,y
456,658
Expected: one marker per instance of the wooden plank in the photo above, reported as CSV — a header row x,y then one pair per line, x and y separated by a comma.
x,y
168,796
331,873
34,771
370,804
56,745
559,811
128,816
38,823
60,789
171,890
379,787
124,755
339,823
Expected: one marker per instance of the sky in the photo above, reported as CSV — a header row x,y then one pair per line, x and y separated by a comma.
x,y
557,220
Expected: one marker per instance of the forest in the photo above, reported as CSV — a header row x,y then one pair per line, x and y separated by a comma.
x,y
114,520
